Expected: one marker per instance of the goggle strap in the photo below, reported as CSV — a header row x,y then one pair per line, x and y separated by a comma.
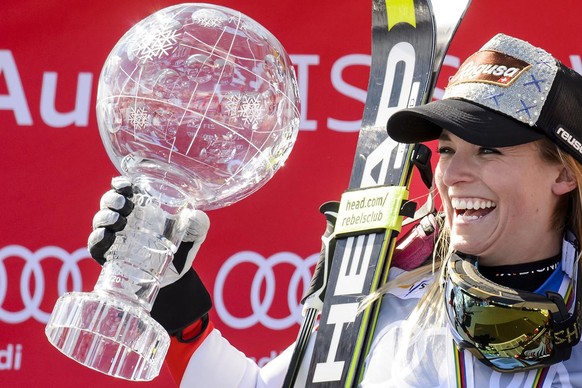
x,y
567,328
559,302
566,331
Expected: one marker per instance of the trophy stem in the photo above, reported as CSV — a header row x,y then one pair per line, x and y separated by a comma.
x,y
110,329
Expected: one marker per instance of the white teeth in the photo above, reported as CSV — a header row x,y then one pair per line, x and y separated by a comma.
x,y
468,204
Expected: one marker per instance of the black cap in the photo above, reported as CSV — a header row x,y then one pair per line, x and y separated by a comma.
x,y
507,93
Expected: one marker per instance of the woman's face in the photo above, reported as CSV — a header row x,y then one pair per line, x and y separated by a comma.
x,y
499,202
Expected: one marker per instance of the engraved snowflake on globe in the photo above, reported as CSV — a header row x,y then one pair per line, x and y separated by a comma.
x,y
201,95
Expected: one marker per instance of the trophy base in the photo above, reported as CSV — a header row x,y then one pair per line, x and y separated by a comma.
x,y
114,337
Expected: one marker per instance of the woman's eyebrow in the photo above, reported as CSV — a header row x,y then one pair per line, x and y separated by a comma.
x,y
444,136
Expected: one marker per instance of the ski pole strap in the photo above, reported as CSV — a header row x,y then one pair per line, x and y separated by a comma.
x,y
315,294
421,155
372,209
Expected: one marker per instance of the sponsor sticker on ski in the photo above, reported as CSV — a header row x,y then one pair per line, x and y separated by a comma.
x,y
370,209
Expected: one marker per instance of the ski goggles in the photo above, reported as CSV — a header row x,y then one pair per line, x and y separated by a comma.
x,y
506,329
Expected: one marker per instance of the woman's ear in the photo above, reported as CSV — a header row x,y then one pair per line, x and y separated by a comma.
x,y
564,183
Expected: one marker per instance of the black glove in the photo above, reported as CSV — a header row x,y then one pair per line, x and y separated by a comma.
x,y
183,299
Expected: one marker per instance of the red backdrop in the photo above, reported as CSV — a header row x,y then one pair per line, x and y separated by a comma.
x,y
54,168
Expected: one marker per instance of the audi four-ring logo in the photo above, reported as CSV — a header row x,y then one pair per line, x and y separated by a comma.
x,y
264,275
32,292
33,280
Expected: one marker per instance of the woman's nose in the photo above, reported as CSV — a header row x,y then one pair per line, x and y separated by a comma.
x,y
457,168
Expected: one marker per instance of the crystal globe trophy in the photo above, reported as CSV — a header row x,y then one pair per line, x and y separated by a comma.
x,y
198,105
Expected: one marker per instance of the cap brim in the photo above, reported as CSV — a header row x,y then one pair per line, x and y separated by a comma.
x,y
471,122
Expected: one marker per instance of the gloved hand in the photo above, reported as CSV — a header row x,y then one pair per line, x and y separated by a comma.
x,y
183,299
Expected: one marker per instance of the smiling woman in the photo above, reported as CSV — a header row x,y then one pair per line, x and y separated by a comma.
x,y
508,251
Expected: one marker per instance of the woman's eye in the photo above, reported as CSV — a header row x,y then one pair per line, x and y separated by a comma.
x,y
487,150
443,150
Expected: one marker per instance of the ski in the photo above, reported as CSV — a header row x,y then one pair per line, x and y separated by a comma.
x,y
409,42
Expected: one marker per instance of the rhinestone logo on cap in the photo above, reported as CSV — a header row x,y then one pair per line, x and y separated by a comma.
x,y
490,67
